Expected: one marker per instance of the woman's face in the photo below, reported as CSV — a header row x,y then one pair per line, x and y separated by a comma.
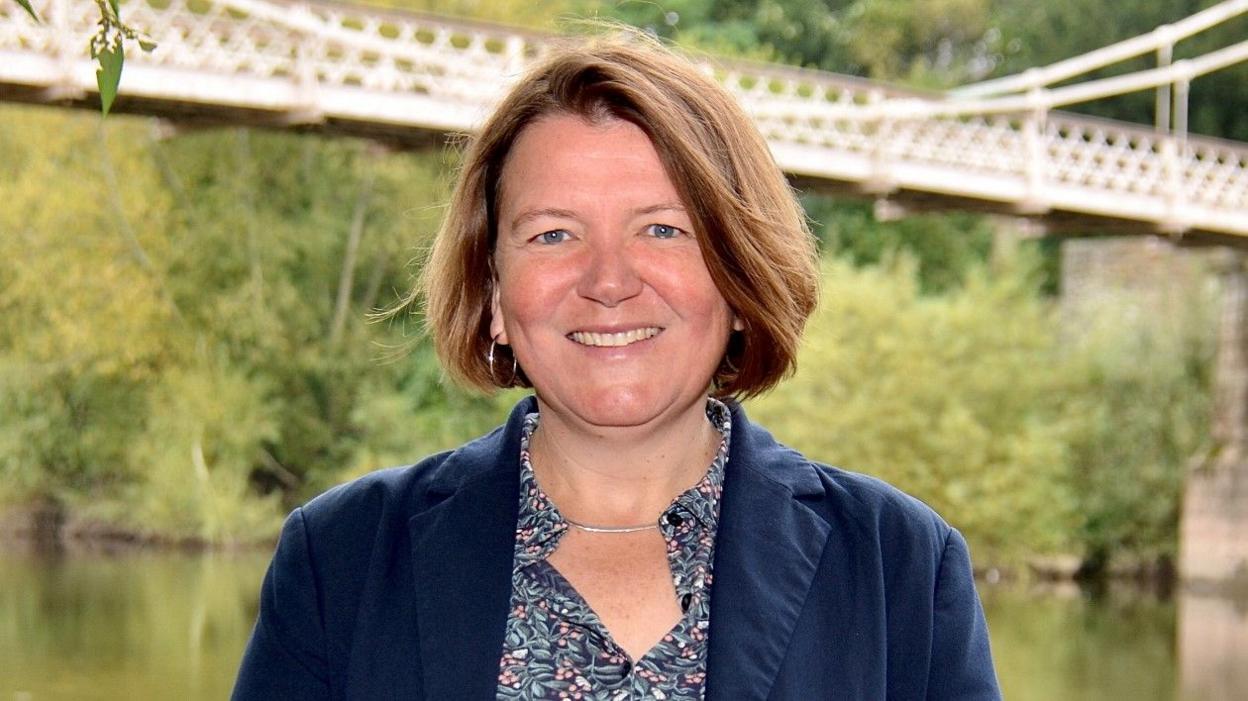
x,y
602,291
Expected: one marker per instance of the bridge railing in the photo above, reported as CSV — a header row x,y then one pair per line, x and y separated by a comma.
x,y
330,64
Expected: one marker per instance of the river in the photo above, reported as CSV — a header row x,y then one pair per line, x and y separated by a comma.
x,y
149,624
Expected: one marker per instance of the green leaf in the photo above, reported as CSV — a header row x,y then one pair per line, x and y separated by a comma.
x,y
29,10
147,45
108,76
116,9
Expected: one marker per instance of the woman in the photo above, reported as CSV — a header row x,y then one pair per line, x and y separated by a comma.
x,y
621,241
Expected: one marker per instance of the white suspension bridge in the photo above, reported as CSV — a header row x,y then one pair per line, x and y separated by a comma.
x,y
1001,145
409,79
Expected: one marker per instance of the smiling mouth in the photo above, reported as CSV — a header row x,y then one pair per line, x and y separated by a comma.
x,y
614,340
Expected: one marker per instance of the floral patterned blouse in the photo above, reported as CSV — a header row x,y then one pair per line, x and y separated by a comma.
x,y
557,648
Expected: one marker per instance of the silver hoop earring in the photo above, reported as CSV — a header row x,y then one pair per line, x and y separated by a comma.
x,y
727,359
490,358
724,373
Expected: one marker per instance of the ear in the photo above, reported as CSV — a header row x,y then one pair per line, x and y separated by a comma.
x,y
498,329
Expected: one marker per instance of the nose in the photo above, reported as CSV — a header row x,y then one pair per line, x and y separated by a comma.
x,y
610,276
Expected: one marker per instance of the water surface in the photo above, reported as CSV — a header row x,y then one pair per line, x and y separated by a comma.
x,y
135,625
147,624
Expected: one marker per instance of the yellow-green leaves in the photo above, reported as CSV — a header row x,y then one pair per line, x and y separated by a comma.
x,y
164,359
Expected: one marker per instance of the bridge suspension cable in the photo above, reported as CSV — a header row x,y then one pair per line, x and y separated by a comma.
x,y
1045,99
1161,39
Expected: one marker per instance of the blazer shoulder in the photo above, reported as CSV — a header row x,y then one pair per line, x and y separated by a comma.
x,y
408,489
383,490
869,507
893,516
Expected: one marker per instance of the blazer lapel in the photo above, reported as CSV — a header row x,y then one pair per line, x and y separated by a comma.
x,y
462,552
767,550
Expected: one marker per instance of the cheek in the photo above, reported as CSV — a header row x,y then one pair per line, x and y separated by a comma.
x,y
527,292
688,286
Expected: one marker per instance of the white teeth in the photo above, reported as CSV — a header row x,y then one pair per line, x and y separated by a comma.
x,y
624,338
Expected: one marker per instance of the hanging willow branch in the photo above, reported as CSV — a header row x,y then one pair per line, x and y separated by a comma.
x,y
108,49
29,10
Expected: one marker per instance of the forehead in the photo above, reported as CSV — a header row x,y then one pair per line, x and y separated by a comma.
x,y
568,158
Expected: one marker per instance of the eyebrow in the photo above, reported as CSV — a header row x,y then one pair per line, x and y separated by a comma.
x,y
661,207
529,215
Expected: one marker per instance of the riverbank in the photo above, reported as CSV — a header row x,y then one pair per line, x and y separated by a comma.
x,y
48,526
157,623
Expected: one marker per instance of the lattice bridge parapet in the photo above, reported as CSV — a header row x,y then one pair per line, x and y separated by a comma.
x,y
408,78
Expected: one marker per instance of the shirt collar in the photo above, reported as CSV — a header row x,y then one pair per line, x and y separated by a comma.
x,y
540,525
702,499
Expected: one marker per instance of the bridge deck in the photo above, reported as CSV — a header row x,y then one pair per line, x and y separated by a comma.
x,y
409,79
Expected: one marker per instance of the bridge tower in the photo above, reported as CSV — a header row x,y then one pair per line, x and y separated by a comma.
x,y
1213,544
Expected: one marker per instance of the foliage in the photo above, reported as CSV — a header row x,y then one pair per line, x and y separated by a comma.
x,y
1144,404
1033,433
924,41
945,246
948,397
79,320
172,358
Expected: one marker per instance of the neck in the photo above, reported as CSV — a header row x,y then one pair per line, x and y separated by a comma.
x,y
621,476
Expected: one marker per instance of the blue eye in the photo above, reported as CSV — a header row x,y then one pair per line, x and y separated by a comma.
x,y
552,237
664,231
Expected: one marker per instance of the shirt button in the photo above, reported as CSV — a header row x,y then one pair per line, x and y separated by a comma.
x,y
685,601
674,520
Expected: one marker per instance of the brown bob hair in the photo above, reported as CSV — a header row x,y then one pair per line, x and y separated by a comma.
x,y
749,225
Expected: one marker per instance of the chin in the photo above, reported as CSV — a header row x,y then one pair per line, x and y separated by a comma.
x,y
619,407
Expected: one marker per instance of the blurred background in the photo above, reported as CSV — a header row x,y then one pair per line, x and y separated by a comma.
x,y
186,350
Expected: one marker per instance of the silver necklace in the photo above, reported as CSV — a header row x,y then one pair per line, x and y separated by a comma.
x,y
609,529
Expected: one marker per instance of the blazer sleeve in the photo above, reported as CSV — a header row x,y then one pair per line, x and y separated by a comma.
x,y
961,665
285,657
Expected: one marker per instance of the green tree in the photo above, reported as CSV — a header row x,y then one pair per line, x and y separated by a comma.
x,y
1030,432
1139,382
185,323
945,246
928,42
949,397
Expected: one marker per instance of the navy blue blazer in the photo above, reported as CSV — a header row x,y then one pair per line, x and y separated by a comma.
x,y
828,585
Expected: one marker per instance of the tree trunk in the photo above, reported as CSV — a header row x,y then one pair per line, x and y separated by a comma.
x,y
347,277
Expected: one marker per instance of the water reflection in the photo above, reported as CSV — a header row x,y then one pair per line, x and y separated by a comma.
x,y
1066,643
135,625
1213,640
155,625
